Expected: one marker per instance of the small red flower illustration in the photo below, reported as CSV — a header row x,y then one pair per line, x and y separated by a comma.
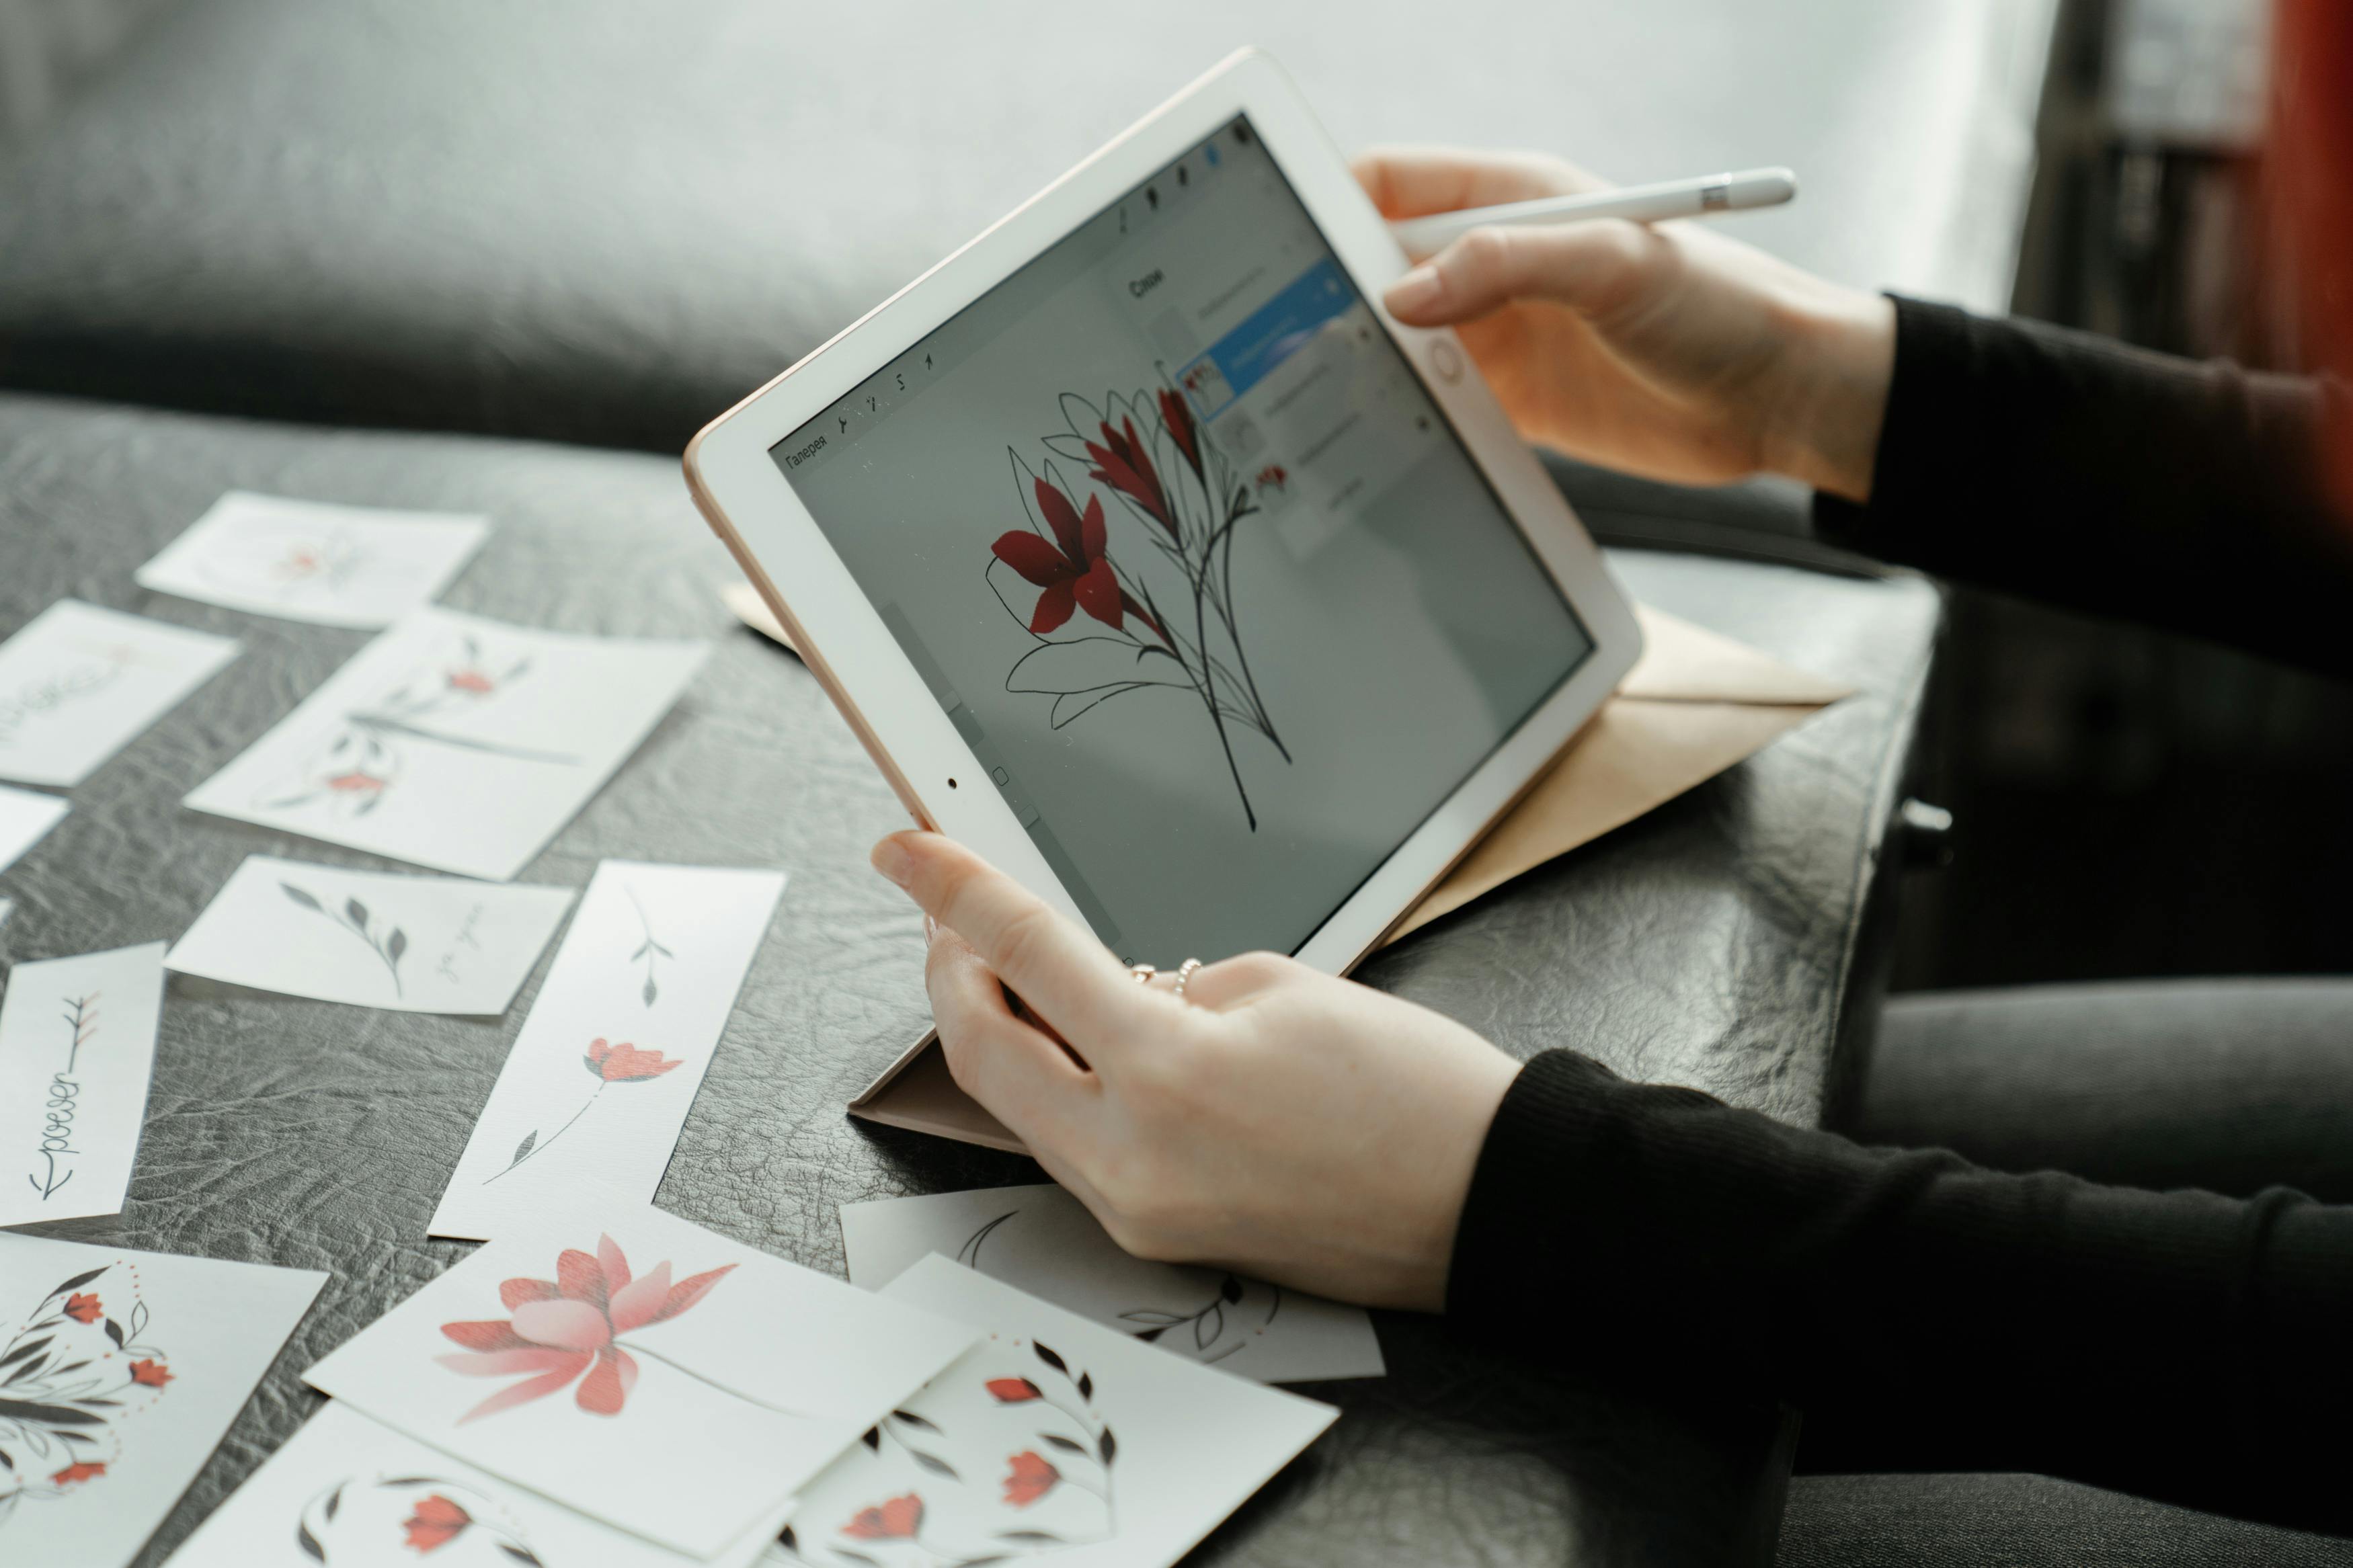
x,y
436,1524
1178,416
564,1327
1121,462
1028,1477
1013,1390
897,1520
625,1063
470,680
80,1471
150,1374
84,1309
1072,569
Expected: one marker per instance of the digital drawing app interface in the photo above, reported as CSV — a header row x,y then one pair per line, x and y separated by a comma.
x,y
1193,562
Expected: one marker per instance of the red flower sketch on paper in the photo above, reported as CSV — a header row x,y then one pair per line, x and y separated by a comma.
x,y
367,1518
361,760
995,1506
1159,604
609,1063
436,1522
1027,1477
71,1375
901,1518
572,1325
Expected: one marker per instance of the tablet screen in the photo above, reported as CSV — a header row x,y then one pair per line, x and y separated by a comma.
x,y
1195,566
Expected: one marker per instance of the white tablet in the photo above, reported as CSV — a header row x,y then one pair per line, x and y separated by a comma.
x,y
1151,559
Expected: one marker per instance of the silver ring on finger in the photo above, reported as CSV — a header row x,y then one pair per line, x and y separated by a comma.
x,y
1185,972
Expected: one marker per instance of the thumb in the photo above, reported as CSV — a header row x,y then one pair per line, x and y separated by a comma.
x,y
1591,268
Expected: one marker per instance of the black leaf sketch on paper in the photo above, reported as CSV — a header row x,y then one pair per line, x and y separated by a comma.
x,y
364,756
1208,1323
650,949
63,1392
389,944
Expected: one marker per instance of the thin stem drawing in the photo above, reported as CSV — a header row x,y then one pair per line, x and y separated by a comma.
x,y
354,917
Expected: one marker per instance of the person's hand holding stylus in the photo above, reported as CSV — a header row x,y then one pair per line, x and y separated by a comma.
x,y
1669,350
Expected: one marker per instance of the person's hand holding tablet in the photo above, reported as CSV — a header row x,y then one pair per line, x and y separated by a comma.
x,y
1277,1120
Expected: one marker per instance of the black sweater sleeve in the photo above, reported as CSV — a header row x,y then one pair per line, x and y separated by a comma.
x,y
2067,468
2182,1343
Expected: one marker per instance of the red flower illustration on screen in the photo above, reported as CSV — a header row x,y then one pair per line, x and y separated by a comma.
x,y
898,1519
1027,1477
435,1522
1159,599
571,1325
84,1310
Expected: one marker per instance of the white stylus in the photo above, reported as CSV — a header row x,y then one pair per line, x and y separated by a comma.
x,y
1642,203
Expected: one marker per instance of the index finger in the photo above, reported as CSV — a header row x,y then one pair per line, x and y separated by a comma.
x,y
1409,181
1060,970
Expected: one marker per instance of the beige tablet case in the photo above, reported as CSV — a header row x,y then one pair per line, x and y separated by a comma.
x,y
1694,704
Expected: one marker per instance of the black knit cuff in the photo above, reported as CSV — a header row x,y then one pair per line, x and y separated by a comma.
x,y
1929,419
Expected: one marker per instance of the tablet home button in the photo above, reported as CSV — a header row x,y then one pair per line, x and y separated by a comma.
x,y
1447,360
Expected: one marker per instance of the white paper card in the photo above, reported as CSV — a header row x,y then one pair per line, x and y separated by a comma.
x,y
374,938
26,816
1055,1439
77,1050
454,742
310,561
124,1368
1042,1240
349,1493
78,682
659,1376
588,1106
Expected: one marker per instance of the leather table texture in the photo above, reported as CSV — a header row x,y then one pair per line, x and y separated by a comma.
x,y
1713,944
606,221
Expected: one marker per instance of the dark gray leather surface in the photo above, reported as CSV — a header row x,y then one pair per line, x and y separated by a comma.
x,y
606,221
1710,943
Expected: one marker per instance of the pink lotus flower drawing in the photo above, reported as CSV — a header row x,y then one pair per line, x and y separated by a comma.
x,y
569,1326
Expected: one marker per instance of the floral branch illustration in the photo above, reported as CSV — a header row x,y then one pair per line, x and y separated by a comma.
x,y
608,1064
358,768
572,1325
1128,641
1083,1452
650,949
432,1521
69,1376
354,917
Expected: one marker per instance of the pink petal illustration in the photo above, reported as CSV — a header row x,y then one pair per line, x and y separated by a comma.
x,y
603,1390
506,1364
523,1392
580,1277
616,1267
515,1292
690,1290
568,1325
490,1334
635,1307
